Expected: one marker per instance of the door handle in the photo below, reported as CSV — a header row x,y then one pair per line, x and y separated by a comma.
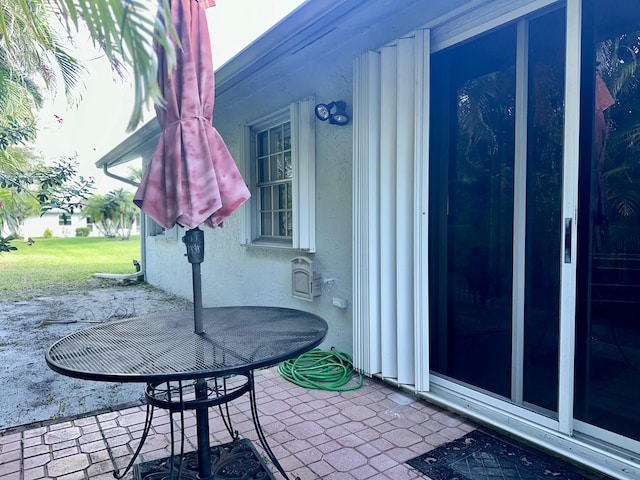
x,y
567,240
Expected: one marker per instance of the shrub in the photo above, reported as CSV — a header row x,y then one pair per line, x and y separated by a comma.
x,y
48,233
83,231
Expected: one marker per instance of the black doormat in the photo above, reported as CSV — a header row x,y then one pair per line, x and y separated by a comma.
x,y
237,460
480,456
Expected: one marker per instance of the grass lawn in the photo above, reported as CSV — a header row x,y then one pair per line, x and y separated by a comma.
x,y
60,265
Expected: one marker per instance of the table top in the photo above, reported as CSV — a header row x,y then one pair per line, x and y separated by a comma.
x,y
164,347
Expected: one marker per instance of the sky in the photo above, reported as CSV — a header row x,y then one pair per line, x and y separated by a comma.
x,y
98,123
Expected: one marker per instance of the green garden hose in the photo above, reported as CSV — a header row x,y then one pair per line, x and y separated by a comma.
x,y
321,369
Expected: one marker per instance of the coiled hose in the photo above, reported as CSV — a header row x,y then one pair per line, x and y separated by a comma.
x,y
321,369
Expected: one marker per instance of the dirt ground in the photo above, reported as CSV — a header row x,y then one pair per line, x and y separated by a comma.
x,y
31,391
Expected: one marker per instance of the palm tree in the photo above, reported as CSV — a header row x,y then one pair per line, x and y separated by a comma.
x,y
125,30
113,214
102,211
126,212
135,174
32,47
31,55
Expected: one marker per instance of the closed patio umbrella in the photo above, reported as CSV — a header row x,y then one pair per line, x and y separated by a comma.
x,y
192,179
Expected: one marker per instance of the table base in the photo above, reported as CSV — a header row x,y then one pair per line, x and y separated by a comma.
x,y
237,460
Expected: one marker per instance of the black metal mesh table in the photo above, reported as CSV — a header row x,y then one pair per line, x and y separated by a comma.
x,y
163,351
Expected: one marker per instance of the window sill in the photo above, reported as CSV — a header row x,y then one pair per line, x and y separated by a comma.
x,y
271,245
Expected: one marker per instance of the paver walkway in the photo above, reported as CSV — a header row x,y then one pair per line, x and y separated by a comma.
x,y
363,434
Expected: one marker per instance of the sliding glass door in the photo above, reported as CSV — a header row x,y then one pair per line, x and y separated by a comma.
x,y
608,321
502,262
496,171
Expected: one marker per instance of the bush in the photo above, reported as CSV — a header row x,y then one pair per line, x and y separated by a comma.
x,y
48,233
83,231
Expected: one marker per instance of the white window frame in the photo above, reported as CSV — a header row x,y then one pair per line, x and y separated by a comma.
x,y
280,228
303,153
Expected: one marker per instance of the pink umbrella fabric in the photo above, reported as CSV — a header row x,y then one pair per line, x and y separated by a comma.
x,y
192,178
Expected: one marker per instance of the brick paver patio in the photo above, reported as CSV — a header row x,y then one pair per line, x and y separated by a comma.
x,y
363,434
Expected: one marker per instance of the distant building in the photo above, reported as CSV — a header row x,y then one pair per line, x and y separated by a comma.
x,y
62,225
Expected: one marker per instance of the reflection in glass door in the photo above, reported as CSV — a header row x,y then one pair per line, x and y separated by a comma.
x,y
474,317
545,126
496,171
608,324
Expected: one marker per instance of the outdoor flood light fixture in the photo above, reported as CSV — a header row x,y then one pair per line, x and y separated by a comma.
x,y
337,117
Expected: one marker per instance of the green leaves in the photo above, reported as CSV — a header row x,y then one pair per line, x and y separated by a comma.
x,y
56,186
15,133
60,187
5,244
126,31
113,214
31,43
32,57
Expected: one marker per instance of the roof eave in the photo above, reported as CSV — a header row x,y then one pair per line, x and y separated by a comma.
x,y
129,148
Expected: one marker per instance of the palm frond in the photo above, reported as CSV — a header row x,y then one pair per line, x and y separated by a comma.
x,y
34,49
630,136
20,18
19,95
126,30
625,202
15,101
72,72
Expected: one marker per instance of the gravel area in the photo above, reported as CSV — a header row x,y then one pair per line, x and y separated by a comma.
x,y
32,392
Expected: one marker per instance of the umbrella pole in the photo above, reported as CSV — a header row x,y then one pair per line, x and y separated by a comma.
x,y
197,299
194,241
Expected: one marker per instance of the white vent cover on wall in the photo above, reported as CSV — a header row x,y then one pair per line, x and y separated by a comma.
x,y
305,283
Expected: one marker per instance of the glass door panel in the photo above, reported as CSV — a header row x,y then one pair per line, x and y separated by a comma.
x,y
478,337
608,346
545,126
473,339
